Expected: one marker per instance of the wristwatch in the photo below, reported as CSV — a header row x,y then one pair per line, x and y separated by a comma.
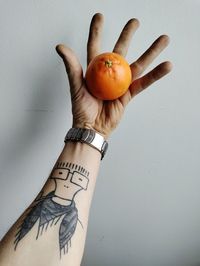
x,y
88,136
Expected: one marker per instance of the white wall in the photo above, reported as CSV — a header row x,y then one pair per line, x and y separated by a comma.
x,y
145,210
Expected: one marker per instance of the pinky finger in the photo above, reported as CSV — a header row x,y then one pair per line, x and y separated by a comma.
x,y
157,73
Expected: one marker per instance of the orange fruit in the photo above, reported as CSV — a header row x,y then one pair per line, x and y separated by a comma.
x,y
108,76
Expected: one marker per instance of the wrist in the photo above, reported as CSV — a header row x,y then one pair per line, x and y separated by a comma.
x,y
81,151
81,154
104,133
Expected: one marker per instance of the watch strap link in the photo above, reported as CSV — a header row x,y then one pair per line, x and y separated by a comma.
x,y
88,136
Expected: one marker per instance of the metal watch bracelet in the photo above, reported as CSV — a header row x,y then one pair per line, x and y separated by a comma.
x,y
89,137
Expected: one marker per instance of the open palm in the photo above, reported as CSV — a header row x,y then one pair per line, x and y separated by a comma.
x,y
104,116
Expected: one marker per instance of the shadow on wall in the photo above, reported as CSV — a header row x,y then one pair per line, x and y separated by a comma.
x,y
38,115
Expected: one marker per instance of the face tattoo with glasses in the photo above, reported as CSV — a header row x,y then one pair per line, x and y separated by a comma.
x,y
58,205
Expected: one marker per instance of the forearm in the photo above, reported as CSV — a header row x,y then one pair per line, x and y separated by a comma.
x,y
52,230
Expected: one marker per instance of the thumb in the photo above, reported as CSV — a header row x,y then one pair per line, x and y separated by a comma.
x,y
73,67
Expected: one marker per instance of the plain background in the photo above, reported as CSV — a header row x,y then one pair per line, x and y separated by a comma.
x,y
146,207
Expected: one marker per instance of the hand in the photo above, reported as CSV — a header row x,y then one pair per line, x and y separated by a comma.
x,y
104,116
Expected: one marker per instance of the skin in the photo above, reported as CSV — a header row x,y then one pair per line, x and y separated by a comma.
x,y
88,112
66,187
104,116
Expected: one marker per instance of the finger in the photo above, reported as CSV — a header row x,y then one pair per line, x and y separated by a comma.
x,y
94,38
139,66
142,83
157,73
122,44
73,67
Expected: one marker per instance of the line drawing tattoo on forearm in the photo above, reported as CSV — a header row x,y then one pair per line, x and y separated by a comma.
x,y
58,205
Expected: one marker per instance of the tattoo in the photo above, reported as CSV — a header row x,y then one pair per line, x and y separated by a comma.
x,y
58,205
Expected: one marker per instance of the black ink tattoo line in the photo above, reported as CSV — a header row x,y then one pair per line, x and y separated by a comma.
x,y
68,177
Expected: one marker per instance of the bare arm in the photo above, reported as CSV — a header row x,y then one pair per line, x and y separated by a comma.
x,y
52,230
